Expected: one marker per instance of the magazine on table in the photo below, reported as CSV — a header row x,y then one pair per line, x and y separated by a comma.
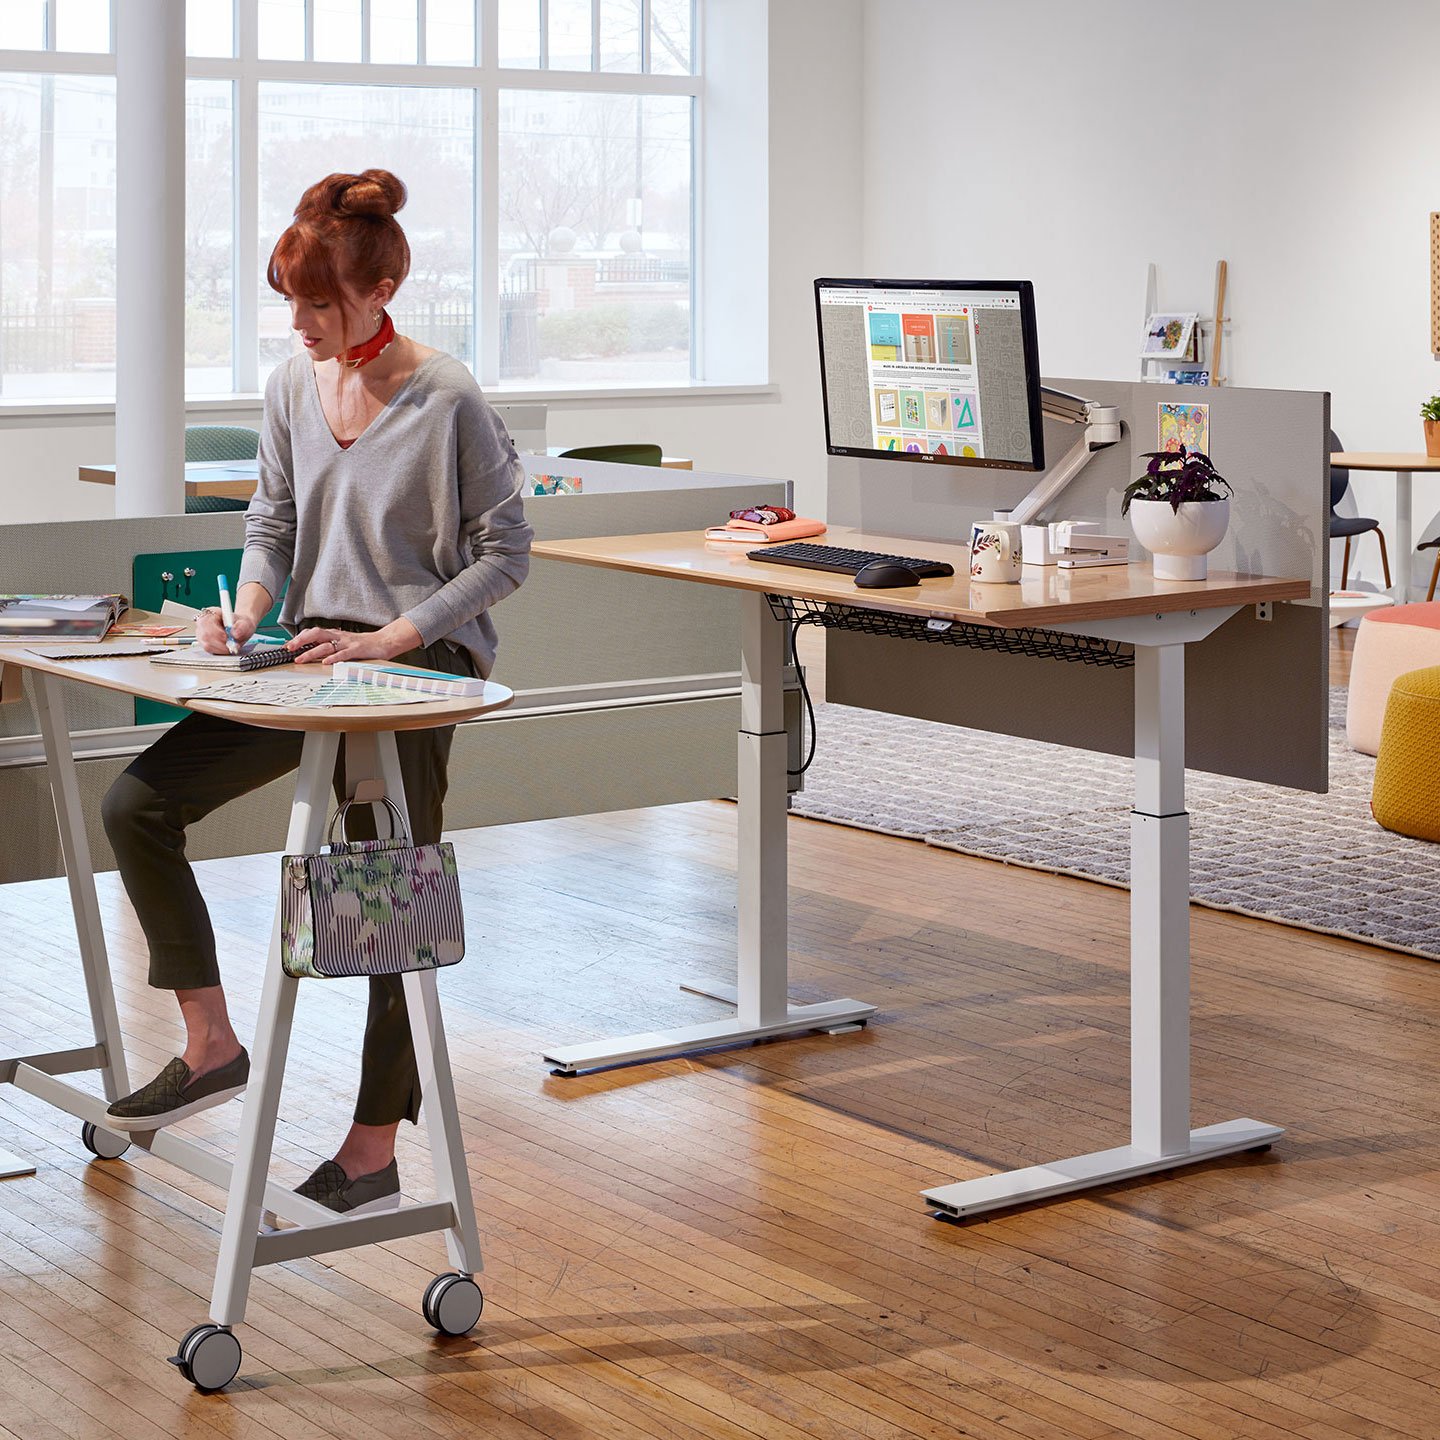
x,y
59,617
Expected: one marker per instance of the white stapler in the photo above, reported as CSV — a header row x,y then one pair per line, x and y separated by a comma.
x,y
1079,544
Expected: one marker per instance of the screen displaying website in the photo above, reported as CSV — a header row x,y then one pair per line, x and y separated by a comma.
x,y
930,372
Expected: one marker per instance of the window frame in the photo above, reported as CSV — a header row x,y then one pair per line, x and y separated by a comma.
x,y
486,79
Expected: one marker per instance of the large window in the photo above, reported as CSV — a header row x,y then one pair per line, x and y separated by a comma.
x,y
552,181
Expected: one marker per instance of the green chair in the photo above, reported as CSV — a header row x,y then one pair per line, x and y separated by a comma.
x,y
218,442
616,454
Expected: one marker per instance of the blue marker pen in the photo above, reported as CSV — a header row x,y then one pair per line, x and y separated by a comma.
x,y
227,614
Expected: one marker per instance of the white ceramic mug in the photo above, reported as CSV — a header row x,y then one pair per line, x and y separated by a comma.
x,y
995,552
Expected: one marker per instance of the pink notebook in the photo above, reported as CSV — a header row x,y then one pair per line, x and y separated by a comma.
x,y
753,533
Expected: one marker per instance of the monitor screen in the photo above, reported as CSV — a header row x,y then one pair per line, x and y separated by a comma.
x,y
932,370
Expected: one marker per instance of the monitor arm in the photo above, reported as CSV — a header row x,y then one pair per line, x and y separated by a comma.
x,y
1102,429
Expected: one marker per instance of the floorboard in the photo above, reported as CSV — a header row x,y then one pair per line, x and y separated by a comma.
x,y
732,1246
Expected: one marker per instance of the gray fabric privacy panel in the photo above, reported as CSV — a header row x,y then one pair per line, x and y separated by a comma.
x,y
567,627
501,770
1256,691
571,625
96,555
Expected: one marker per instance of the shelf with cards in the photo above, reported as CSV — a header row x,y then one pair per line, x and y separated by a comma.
x,y
1207,366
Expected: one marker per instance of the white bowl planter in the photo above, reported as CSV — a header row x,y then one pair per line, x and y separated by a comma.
x,y
1179,540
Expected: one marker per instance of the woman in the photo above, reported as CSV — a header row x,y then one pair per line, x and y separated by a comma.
x,y
389,496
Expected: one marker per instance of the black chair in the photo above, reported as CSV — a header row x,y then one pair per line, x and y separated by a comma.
x,y
1350,525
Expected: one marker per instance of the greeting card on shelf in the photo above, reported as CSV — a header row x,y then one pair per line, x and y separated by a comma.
x,y
1169,336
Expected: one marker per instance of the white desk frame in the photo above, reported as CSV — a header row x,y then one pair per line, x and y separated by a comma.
x,y
317,1230
761,993
1161,1137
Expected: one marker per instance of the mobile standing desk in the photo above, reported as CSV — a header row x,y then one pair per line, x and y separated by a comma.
x,y
1090,616
209,1355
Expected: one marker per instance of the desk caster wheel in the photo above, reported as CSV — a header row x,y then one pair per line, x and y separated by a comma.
x,y
208,1357
104,1143
452,1304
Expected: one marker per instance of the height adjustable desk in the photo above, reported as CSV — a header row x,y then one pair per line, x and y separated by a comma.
x,y
1117,616
210,1354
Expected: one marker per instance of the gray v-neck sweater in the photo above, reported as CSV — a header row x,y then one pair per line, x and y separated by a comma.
x,y
420,517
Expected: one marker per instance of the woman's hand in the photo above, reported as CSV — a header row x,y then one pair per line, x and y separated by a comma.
x,y
210,631
335,645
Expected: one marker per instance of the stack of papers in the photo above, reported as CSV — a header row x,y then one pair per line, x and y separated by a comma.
x,y
318,693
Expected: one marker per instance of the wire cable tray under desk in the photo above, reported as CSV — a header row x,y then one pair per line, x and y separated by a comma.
x,y
1041,644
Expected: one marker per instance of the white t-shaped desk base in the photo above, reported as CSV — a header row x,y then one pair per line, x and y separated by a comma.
x,y
760,994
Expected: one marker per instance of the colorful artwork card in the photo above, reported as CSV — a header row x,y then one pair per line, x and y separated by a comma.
x,y
1187,425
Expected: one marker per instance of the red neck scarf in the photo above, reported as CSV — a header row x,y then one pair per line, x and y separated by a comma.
x,y
363,354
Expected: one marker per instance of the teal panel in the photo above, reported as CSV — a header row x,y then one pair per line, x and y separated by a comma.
x,y
149,589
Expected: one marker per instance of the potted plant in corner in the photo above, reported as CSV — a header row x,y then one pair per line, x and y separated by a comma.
x,y
1430,414
1179,510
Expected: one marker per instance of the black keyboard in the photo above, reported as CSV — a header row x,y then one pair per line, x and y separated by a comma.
x,y
844,562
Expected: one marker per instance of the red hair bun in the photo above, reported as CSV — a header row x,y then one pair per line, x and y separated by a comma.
x,y
373,193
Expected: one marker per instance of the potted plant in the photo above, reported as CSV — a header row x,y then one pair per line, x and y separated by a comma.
x,y
1180,511
1430,414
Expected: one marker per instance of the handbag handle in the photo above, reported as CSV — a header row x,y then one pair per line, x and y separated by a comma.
x,y
397,821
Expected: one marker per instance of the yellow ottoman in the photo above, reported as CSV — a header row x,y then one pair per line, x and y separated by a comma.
x,y
1387,644
1406,797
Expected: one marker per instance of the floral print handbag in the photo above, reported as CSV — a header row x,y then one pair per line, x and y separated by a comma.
x,y
370,907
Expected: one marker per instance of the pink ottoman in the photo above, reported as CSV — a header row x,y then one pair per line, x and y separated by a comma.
x,y
1387,645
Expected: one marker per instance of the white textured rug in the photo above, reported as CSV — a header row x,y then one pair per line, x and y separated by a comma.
x,y
1314,861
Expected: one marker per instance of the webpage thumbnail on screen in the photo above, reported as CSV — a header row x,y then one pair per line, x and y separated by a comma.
x,y
932,371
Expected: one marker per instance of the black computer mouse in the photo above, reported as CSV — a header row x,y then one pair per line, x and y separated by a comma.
x,y
884,575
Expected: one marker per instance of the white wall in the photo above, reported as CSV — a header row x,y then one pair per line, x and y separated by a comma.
x,y
815,200
1073,144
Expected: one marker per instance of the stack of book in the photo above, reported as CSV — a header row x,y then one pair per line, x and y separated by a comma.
x,y
764,525
59,617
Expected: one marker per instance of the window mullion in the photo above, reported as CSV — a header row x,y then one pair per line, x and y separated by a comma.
x,y
595,34
420,29
365,51
487,237
245,278
544,34
644,37
309,29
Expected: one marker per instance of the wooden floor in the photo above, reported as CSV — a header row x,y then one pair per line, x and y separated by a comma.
x,y
733,1246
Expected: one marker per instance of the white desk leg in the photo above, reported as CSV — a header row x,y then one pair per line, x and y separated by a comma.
x,y
1160,1133
762,971
80,874
1404,537
432,1054
89,933
267,1061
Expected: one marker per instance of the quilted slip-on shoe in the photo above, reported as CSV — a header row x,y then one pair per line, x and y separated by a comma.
x,y
364,1195
173,1094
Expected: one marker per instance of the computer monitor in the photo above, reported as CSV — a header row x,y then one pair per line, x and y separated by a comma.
x,y
940,371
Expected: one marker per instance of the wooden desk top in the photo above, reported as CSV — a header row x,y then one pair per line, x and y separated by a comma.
x,y
1045,595
226,479
1384,460
175,685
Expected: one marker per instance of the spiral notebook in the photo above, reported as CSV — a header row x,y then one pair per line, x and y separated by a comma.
x,y
262,657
